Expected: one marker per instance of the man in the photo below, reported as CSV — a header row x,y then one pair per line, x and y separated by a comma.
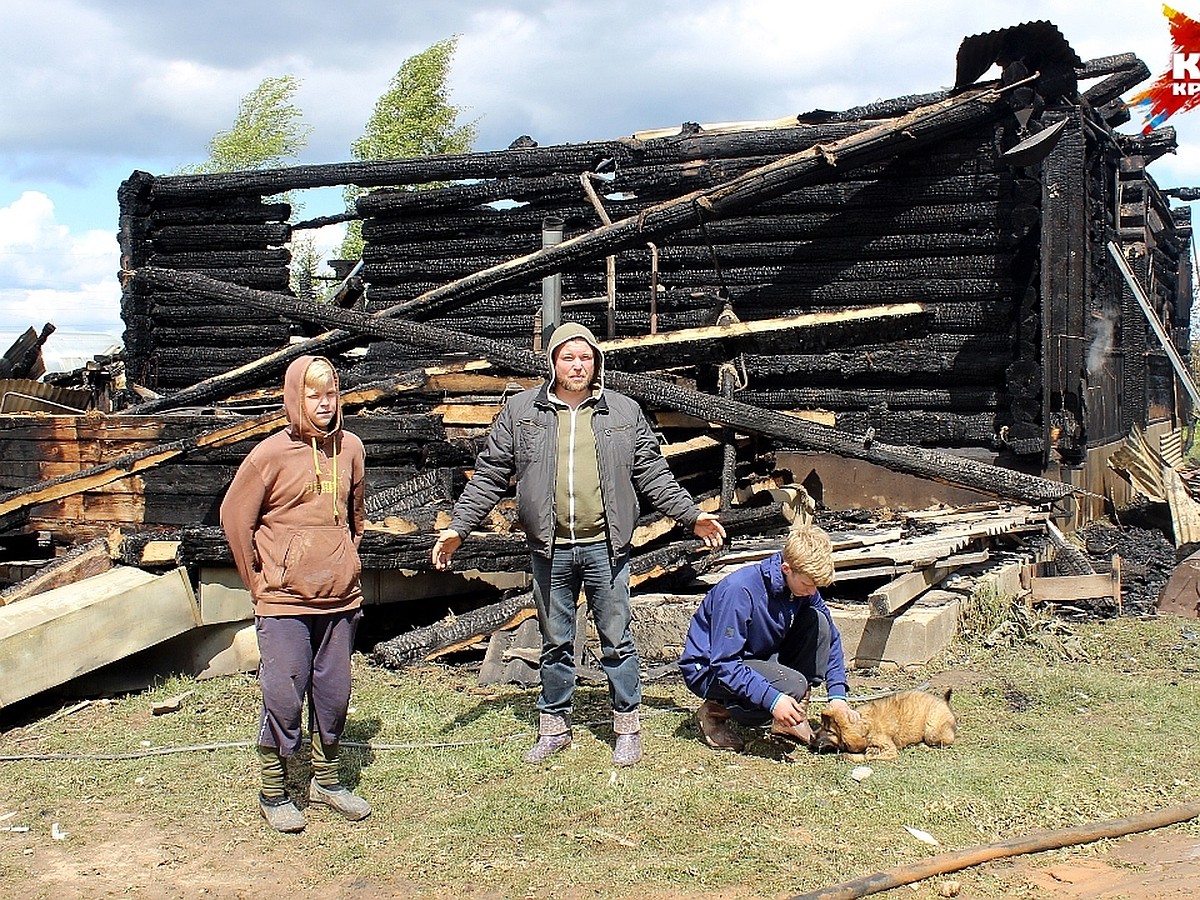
x,y
760,638
294,517
580,455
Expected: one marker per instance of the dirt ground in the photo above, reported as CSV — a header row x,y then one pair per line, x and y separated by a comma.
x,y
119,855
145,861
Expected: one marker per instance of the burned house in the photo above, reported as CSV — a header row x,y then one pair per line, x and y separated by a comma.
x,y
1000,209
982,287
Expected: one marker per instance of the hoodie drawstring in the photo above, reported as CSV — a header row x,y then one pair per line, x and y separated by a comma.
x,y
329,487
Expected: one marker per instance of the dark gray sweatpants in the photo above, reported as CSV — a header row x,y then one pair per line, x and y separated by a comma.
x,y
304,656
798,664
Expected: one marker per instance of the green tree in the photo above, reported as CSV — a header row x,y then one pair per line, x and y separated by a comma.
x,y
413,117
269,129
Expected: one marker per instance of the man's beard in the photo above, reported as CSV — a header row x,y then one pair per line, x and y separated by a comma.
x,y
575,383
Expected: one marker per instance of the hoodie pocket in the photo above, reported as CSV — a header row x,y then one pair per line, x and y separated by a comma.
x,y
320,562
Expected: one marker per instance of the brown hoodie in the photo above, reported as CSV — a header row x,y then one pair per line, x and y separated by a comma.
x,y
293,537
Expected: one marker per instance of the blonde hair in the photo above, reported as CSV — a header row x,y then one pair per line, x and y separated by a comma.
x,y
809,551
319,375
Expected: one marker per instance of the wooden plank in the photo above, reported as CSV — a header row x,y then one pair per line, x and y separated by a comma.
x,y
661,525
682,448
722,342
1185,511
892,597
83,562
157,553
1064,588
477,383
48,639
482,414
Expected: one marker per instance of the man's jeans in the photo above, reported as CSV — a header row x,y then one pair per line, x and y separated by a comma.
x,y
800,662
556,585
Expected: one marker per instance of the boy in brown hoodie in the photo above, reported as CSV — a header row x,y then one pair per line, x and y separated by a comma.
x,y
293,517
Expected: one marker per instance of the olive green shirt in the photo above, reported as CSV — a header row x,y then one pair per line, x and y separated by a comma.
x,y
578,507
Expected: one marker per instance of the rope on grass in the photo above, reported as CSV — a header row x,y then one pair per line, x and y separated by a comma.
x,y
445,745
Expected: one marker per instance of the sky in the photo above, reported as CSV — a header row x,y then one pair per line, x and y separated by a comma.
x,y
93,90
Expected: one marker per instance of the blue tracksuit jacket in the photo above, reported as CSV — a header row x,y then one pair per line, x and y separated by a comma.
x,y
745,616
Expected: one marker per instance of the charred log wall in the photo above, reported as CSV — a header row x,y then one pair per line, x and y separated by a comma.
x,y
173,340
938,228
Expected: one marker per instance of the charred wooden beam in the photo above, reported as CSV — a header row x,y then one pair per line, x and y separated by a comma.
x,y
968,359
839,398
1124,70
424,489
24,358
941,467
529,162
233,210
224,259
219,236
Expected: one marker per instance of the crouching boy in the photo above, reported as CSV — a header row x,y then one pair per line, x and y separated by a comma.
x,y
761,638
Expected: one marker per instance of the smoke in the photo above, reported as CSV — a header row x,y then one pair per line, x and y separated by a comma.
x,y
1100,344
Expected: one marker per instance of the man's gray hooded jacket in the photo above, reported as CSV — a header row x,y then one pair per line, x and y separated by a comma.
x,y
523,442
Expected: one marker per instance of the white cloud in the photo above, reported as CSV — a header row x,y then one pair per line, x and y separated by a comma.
x,y
49,274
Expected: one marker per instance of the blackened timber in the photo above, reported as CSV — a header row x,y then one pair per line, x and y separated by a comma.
x,y
1064,289
24,358
245,210
242,336
1124,71
220,236
941,467
786,215
387,203
931,427
966,357
740,264
797,237
530,162
459,630
223,259
840,398
423,489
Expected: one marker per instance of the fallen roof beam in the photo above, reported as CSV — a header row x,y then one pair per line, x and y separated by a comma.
x,y
932,464
816,164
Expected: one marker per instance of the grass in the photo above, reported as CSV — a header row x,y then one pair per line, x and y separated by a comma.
x,y
1058,726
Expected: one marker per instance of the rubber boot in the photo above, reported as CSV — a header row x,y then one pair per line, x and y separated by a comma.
x,y
273,802
326,786
712,719
554,734
628,728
